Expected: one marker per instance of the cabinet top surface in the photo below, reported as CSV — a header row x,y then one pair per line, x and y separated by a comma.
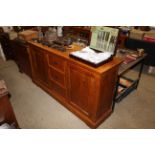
x,y
65,55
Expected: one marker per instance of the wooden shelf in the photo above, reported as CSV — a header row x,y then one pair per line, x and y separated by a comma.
x,y
127,89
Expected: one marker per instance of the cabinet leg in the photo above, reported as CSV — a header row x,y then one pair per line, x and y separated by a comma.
x,y
140,73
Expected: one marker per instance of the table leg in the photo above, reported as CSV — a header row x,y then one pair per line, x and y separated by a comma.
x,y
115,93
140,73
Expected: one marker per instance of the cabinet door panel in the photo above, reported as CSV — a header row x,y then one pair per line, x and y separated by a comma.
x,y
57,62
22,57
80,88
57,77
39,66
58,89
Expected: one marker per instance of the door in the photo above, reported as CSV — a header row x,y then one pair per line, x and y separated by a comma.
x,y
22,57
39,65
79,88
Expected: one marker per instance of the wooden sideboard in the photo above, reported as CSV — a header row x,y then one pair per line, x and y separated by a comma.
x,y
86,91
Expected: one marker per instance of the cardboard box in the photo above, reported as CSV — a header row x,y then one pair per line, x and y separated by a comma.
x,y
28,35
136,34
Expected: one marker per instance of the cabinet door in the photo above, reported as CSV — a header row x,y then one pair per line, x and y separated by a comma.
x,y
39,65
22,57
79,88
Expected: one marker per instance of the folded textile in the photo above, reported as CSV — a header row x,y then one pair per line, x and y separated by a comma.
x,y
91,56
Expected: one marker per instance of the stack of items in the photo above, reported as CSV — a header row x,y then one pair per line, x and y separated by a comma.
x,y
3,88
142,35
136,34
149,36
130,57
120,89
123,84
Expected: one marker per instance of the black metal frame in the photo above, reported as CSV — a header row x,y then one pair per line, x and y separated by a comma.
x,y
117,98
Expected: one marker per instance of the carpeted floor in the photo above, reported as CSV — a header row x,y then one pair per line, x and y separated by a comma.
x,y
34,108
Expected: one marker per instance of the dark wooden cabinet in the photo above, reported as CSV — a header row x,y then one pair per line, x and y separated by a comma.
x,y
86,91
21,56
39,66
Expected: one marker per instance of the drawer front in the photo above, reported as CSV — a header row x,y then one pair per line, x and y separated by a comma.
x,y
57,62
58,89
57,76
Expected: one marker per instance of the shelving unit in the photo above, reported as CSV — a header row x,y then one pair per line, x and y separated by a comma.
x,y
124,68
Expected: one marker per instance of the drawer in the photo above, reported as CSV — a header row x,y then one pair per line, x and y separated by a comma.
x,y
57,76
57,62
58,89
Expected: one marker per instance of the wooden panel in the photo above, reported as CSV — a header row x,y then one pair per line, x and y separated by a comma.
x,y
22,57
39,65
58,89
57,62
57,77
106,93
79,88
